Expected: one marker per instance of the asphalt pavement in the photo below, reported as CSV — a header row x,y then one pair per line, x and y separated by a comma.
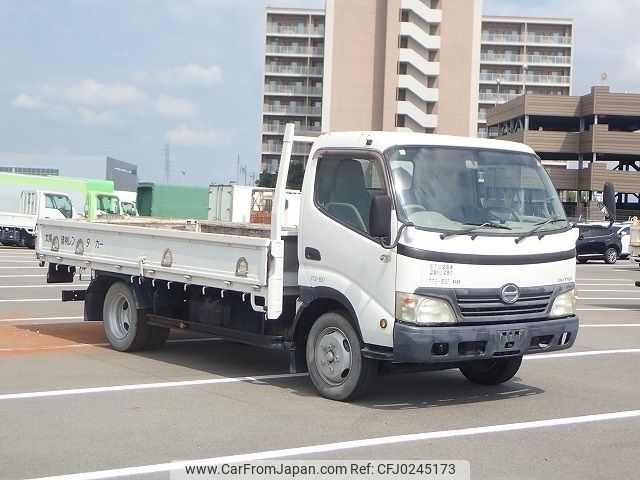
x,y
70,407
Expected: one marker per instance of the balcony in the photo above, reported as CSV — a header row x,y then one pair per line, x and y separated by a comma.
x,y
503,38
277,148
291,110
293,70
548,39
501,58
529,79
512,58
547,59
497,97
279,129
293,90
295,50
548,79
503,77
294,30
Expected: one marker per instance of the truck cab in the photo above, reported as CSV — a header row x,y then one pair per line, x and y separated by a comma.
x,y
436,250
20,228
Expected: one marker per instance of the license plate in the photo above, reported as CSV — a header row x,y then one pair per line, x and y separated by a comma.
x,y
510,338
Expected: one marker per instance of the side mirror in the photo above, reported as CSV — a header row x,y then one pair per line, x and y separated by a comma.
x,y
608,205
380,216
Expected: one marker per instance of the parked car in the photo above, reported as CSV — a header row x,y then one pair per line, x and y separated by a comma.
x,y
597,242
625,235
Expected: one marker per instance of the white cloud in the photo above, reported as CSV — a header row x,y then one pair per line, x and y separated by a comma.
x,y
103,104
186,76
27,102
198,137
172,107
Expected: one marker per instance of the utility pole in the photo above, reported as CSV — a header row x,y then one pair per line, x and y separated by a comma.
x,y
240,169
167,161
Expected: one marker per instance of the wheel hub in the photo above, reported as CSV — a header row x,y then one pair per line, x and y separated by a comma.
x,y
333,356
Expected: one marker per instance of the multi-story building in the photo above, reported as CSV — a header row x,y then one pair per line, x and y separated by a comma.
x,y
371,65
595,135
123,174
293,71
520,54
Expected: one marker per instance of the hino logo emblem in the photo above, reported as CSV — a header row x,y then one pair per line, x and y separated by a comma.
x,y
509,293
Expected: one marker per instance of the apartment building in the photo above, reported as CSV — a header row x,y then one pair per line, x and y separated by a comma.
x,y
371,65
293,72
520,54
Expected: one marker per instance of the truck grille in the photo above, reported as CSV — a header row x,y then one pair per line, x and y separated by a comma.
x,y
485,303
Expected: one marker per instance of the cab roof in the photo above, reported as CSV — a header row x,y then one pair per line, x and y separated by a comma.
x,y
381,141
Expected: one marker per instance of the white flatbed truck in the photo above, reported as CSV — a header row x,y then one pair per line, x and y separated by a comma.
x,y
412,251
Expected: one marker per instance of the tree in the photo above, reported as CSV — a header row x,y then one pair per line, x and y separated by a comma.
x,y
266,179
294,179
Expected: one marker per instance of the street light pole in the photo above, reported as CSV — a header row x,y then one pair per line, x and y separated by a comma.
x,y
525,67
498,81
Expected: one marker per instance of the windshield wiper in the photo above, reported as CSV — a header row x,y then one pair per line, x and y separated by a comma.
x,y
538,226
476,226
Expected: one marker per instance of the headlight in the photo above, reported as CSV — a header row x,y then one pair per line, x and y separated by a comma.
x,y
564,304
423,310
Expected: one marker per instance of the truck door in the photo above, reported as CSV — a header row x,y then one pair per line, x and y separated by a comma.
x,y
338,257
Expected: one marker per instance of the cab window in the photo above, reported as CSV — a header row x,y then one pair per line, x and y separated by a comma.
x,y
345,185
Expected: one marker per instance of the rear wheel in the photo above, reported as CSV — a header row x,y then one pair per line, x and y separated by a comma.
x,y
334,359
123,323
582,259
491,372
610,255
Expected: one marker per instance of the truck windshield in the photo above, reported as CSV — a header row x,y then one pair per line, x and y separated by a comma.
x,y
453,188
108,204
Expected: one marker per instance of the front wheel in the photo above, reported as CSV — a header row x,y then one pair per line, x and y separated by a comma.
x,y
491,372
334,359
610,255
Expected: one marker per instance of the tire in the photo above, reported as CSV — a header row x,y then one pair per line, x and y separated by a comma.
x,y
610,255
156,337
334,359
124,325
491,372
582,259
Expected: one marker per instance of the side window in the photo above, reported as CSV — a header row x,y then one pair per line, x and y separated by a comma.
x,y
345,185
60,203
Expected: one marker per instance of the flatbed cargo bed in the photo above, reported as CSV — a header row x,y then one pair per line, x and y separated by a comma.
x,y
204,254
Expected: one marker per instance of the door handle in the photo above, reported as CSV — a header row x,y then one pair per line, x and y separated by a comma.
x,y
311,253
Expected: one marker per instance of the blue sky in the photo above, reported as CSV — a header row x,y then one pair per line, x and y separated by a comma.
x,y
120,78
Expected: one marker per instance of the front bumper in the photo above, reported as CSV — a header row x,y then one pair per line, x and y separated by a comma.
x,y
414,344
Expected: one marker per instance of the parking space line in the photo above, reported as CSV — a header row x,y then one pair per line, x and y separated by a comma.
x,y
606,298
22,268
58,285
635,290
22,276
34,319
146,386
605,325
615,309
83,345
57,299
350,445
587,353
212,381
